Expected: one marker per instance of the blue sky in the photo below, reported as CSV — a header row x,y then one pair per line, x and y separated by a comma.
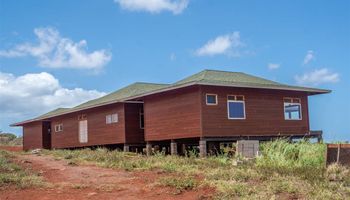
x,y
59,53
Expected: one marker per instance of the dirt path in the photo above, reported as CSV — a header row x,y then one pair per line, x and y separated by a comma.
x,y
91,182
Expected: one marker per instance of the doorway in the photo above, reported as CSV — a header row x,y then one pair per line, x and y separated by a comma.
x,y
46,135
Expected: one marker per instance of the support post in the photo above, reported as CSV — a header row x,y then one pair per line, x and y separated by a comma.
x,y
148,149
173,147
126,148
202,148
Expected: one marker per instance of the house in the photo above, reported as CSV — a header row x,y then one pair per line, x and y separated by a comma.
x,y
206,109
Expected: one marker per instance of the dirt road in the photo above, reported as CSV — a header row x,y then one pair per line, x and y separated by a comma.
x,y
90,182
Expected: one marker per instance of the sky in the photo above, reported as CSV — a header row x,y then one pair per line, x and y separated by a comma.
x,y
60,53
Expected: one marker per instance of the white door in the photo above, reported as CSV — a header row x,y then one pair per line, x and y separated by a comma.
x,y
83,131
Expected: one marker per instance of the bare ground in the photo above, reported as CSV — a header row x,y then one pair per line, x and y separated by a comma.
x,y
90,182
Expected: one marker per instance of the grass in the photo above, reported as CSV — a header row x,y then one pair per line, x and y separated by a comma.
x,y
284,170
12,174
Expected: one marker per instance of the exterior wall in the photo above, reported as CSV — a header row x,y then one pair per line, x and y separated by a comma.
x,y
173,115
99,133
134,133
32,136
264,111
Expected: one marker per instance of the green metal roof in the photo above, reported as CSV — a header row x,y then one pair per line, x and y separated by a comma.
x,y
120,95
239,79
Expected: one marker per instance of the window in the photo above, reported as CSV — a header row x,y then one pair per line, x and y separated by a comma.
x,y
58,127
142,119
82,117
113,118
292,109
235,107
83,131
212,99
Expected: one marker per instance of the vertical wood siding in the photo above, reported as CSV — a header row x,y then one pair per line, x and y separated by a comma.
x,y
173,114
264,113
32,136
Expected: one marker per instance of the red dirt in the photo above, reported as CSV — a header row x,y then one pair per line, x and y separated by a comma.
x,y
91,182
11,148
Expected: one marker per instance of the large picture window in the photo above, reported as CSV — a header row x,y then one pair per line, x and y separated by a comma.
x,y
292,109
236,107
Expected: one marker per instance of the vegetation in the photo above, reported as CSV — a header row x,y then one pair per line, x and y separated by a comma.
x,y
287,170
12,174
10,139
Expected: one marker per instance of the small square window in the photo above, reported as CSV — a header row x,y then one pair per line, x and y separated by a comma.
x,y
58,127
114,118
212,99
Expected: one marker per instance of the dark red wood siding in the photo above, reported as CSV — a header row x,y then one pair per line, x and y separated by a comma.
x,y
99,133
264,113
32,136
173,114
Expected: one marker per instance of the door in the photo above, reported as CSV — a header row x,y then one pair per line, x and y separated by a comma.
x,y
83,131
46,135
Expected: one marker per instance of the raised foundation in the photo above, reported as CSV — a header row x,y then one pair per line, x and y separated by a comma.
x,y
173,148
202,148
126,148
148,149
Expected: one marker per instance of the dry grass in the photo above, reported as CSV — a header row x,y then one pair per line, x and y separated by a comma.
x,y
12,174
284,170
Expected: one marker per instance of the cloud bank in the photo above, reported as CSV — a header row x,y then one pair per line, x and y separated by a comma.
x,y
55,51
154,6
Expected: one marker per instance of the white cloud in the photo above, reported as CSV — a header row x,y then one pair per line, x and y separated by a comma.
x,y
55,51
33,94
154,6
309,57
273,66
317,77
225,44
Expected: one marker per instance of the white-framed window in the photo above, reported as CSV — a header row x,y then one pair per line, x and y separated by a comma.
x,y
211,99
58,127
142,118
292,109
82,117
115,118
112,118
83,131
235,107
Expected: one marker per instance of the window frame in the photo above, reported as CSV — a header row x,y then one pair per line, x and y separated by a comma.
x,y
142,115
211,104
236,101
58,128
284,113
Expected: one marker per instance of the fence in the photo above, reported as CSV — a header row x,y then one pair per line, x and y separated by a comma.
x,y
338,153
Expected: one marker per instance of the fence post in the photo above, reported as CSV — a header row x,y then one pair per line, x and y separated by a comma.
x,y
338,153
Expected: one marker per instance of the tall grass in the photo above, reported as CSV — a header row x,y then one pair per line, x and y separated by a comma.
x,y
292,170
302,158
